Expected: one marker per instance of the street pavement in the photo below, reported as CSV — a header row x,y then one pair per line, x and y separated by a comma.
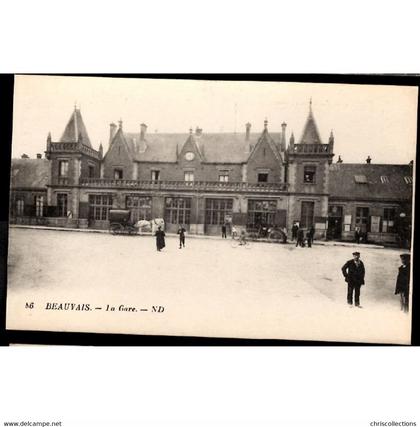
x,y
207,289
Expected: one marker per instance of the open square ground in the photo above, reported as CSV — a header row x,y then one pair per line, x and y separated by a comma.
x,y
74,279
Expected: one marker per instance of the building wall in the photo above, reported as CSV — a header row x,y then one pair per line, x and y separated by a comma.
x,y
376,208
117,157
263,160
202,171
321,177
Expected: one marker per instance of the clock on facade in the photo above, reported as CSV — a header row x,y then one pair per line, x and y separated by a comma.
x,y
189,156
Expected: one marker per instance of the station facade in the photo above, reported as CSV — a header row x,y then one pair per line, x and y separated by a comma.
x,y
204,180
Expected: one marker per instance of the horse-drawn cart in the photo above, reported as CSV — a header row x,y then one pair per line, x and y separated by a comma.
x,y
120,223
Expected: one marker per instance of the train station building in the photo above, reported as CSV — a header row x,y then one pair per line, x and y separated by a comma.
x,y
204,180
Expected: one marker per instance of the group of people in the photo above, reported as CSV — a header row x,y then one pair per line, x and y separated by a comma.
x,y
160,238
353,270
354,274
301,235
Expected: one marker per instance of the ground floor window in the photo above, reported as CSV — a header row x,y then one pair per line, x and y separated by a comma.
x,y
99,206
307,214
39,205
140,207
362,219
388,220
20,207
261,213
177,210
217,210
62,204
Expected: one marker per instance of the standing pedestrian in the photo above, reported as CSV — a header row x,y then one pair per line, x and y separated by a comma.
x,y
300,240
309,238
354,273
181,232
295,229
357,234
224,230
160,239
403,282
312,233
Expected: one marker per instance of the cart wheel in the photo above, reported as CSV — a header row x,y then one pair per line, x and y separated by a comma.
x,y
115,228
234,243
131,230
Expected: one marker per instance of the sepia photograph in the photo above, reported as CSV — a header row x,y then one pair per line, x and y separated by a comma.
x,y
211,208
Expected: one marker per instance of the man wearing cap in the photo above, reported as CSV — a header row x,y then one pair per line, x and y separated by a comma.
x,y
403,282
354,273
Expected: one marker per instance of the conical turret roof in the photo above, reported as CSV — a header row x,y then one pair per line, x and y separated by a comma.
x,y
310,134
76,128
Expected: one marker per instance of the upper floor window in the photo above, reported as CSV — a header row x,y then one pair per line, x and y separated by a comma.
x,y
63,168
309,174
384,179
263,177
223,176
155,175
91,171
189,176
118,174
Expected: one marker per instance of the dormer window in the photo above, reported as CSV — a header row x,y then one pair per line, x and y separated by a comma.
x,y
384,179
360,179
408,180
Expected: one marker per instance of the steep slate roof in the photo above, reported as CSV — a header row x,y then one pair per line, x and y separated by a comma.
x,y
310,134
275,147
342,182
74,128
215,147
29,173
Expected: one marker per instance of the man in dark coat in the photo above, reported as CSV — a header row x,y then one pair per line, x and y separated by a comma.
x,y
160,239
181,232
295,229
224,231
403,282
310,236
357,234
354,273
300,241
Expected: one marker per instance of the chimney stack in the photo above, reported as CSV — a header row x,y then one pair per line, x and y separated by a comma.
x,y
247,131
283,136
368,160
39,156
112,131
143,130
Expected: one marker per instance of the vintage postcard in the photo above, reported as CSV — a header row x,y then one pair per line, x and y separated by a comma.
x,y
239,209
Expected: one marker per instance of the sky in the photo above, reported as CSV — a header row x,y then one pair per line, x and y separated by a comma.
x,y
367,120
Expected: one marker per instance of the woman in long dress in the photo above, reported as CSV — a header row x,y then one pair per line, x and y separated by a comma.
x,y
160,239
